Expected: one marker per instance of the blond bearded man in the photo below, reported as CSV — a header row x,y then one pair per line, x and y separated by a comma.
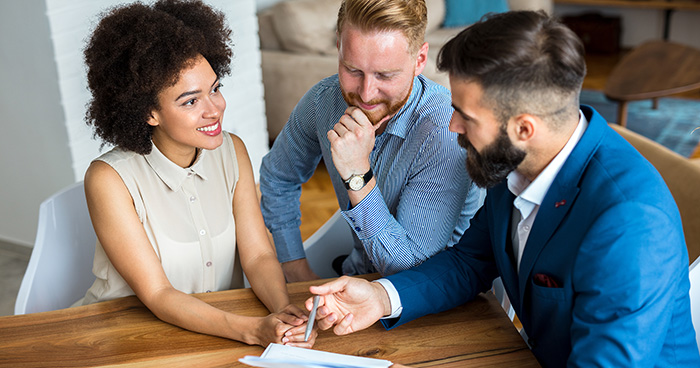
x,y
382,131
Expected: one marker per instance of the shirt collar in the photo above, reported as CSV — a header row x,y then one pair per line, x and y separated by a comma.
x,y
170,173
531,194
399,124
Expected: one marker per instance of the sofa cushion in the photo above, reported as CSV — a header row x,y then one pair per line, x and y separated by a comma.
x,y
266,31
546,5
307,26
459,13
436,14
439,37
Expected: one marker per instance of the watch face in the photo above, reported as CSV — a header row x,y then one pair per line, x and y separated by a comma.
x,y
356,183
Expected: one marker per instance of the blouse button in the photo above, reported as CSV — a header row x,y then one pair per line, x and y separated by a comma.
x,y
192,199
209,264
202,232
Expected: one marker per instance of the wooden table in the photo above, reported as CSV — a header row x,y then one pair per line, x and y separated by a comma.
x,y
123,333
652,70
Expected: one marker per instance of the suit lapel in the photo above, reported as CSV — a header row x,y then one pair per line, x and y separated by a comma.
x,y
501,219
561,195
555,206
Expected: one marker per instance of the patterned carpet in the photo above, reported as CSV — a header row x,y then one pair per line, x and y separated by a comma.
x,y
672,124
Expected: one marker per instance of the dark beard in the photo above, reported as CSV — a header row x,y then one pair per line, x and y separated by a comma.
x,y
494,163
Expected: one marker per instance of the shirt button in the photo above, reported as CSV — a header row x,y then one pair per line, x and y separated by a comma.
x,y
357,228
208,291
209,264
192,199
189,174
202,232
351,218
526,228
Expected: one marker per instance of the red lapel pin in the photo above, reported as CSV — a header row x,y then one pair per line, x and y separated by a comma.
x,y
560,203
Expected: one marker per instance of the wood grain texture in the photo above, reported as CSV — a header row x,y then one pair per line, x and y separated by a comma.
x,y
318,201
123,333
654,69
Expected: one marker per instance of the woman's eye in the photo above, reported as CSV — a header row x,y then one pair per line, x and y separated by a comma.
x,y
217,88
190,102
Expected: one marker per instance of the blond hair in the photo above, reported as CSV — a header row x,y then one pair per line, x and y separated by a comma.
x,y
410,17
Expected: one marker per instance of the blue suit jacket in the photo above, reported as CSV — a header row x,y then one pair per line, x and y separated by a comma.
x,y
609,233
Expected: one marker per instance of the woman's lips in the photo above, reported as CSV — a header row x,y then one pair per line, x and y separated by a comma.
x,y
212,130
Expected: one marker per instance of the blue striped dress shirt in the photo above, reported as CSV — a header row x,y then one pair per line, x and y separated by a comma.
x,y
423,199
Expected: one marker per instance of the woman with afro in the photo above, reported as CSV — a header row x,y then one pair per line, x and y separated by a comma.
x,y
174,204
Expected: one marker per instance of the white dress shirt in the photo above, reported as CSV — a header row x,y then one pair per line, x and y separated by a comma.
x,y
529,196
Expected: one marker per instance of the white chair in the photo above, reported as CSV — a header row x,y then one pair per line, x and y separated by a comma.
x,y
60,268
695,297
334,238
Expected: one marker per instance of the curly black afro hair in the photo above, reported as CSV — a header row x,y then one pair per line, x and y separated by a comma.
x,y
138,50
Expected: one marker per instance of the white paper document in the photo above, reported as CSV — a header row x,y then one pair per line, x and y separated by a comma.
x,y
284,356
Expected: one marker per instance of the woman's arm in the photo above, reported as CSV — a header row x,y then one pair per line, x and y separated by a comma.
x,y
126,244
257,255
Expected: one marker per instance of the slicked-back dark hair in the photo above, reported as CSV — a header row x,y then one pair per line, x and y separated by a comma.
x,y
138,50
525,62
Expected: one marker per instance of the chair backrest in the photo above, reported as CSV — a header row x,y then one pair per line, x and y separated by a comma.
x,y
60,268
695,297
333,239
681,176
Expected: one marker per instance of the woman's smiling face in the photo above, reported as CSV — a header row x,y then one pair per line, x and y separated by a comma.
x,y
190,114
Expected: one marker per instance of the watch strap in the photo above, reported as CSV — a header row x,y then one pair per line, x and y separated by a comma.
x,y
366,177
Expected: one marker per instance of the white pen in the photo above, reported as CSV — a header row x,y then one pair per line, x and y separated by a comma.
x,y
312,317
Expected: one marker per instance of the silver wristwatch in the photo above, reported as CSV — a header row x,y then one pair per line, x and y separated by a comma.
x,y
358,181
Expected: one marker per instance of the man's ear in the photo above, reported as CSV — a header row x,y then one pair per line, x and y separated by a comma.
x,y
421,58
522,128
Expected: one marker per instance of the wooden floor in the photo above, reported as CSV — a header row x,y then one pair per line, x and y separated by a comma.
x,y
318,202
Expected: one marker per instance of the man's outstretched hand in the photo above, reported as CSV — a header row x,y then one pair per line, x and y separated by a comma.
x,y
350,304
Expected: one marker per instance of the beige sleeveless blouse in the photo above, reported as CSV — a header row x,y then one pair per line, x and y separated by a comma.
x,y
187,214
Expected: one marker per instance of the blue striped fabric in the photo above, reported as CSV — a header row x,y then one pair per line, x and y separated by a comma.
x,y
423,199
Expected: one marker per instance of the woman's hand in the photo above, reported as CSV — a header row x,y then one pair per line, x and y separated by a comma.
x,y
270,329
284,327
295,335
